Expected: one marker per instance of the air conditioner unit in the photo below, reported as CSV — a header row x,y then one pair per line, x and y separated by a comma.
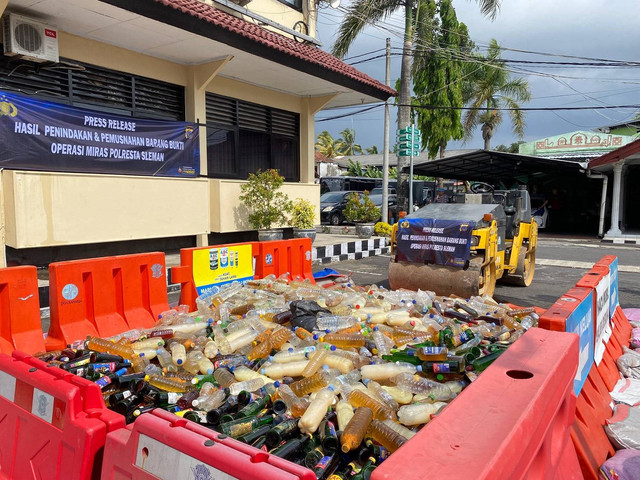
x,y
30,39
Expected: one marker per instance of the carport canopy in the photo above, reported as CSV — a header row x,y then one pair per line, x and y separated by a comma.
x,y
492,166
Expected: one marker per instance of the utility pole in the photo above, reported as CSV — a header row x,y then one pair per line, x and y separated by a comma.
x,y
385,148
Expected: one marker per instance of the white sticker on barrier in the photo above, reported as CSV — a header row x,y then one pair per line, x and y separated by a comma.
x,y
7,386
603,325
42,405
167,463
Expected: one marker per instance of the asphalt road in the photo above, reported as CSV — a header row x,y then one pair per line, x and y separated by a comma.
x,y
560,263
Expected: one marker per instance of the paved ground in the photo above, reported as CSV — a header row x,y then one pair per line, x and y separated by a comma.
x,y
560,264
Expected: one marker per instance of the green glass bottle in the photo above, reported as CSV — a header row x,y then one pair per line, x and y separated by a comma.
x,y
283,430
365,471
244,425
291,447
253,408
482,363
326,465
451,365
343,473
312,458
328,436
252,436
402,356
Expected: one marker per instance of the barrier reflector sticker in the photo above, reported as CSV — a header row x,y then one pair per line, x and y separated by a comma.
x,y
613,287
168,463
217,266
42,405
603,324
581,322
7,386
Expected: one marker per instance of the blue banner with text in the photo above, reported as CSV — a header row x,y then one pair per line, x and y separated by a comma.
x,y
42,135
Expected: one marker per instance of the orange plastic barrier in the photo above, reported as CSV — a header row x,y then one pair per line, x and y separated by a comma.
x,y
183,273
482,436
53,424
160,444
20,326
286,256
105,296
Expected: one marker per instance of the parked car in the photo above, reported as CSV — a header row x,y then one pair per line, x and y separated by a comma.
x,y
377,200
332,205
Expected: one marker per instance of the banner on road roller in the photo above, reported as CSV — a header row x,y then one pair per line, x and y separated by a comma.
x,y
429,240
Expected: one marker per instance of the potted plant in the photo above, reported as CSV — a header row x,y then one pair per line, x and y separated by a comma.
x,y
362,211
303,214
266,204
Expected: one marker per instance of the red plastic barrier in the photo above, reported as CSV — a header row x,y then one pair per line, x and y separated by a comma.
x,y
105,296
482,436
160,444
20,326
286,256
183,273
53,424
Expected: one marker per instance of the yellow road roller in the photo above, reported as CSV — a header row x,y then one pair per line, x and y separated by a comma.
x,y
464,247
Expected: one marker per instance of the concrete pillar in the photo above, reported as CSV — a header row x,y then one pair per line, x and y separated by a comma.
x,y
310,106
623,193
199,77
615,201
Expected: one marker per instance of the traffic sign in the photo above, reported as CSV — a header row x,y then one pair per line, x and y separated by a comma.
x,y
407,153
404,131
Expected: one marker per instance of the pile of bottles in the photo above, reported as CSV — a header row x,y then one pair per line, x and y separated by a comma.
x,y
339,397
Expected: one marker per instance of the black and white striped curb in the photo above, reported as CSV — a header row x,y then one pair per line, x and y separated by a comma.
x,y
354,250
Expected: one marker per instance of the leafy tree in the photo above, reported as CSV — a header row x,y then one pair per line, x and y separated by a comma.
x,y
372,150
361,13
327,145
494,88
354,169
513,148
346,144
438,76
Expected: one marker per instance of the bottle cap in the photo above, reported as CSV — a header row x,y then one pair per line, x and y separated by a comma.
x,y
333,348
276,383
262,371
419,368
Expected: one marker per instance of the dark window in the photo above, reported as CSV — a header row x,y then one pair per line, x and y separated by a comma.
x,y
88,86
297,4
244,137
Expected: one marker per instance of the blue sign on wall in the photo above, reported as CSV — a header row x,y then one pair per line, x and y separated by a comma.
x,y
40,135
581,322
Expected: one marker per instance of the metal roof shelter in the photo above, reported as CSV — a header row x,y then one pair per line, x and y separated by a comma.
x,y
490,165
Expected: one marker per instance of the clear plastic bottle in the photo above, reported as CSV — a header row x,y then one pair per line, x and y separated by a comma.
x,y
400,429
335,322
315,362
107,346
280,370
354,432
169,384
242,373
297,406
385,371
420,385
248,386
418,413
224,377
211,401
349,378
165,360
293,355
261,350
344,412
385,436
316,411
380,394
210,349
228,346
344,365
358,398
148,343
178,353
380,341
279,338
310,384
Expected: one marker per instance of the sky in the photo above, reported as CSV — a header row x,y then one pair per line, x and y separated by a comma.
x,y
603,29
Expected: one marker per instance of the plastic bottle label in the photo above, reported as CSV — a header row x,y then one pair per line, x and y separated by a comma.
x,y
441,368
322,463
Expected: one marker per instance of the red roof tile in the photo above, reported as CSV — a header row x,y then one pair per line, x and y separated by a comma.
x,y
273,40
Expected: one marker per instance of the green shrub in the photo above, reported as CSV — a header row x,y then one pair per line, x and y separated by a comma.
x,y
360,208
303,213
266,204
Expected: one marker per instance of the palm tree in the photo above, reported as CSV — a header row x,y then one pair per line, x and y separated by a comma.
x,y
372,150
361,13
492,89
346,144
355,169
327,145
